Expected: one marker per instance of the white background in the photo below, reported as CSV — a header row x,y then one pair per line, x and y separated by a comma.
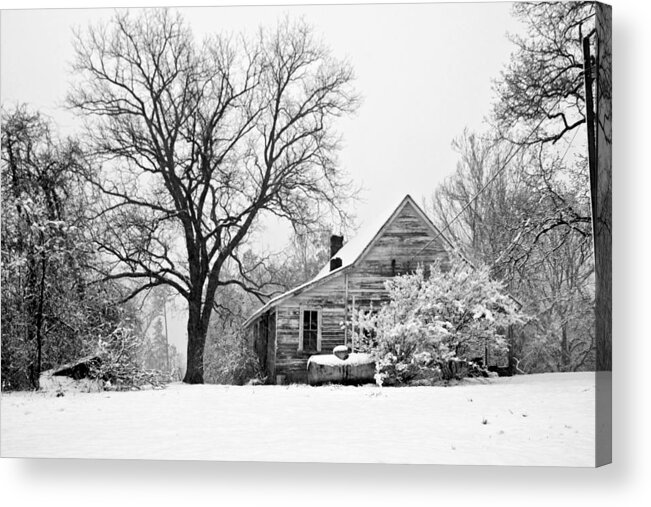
x,y
626,482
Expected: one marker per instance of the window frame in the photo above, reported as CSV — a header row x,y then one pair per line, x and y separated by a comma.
x,y
319,327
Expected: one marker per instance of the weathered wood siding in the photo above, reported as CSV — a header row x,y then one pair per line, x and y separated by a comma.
x,y
407,242
270,368
329,298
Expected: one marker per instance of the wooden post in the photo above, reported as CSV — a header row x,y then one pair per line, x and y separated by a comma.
x,y
167,343
352,336
346,309
599,129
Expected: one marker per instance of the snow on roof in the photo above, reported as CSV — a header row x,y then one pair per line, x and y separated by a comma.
x,y
295,290
349,253
353,249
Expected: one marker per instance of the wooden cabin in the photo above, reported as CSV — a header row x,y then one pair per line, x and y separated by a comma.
x,y
309,319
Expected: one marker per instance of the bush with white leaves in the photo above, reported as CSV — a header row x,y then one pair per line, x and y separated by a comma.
x,y
435,321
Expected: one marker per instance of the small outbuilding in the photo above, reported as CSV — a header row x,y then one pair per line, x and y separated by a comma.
x,y
73,376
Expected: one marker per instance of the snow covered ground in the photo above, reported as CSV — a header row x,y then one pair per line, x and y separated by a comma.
x,y
543,419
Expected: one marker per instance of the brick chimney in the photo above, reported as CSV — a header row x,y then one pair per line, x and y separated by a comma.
x,y
336,242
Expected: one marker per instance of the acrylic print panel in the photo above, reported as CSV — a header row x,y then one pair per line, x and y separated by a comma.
x,y
329,233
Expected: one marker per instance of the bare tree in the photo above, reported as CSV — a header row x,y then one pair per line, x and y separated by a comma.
x,y
198,141
544,80
548,87
529,222
474,206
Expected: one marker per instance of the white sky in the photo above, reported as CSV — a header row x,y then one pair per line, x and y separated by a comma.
x,y
425,72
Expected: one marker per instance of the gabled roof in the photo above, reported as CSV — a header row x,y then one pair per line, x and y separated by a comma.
x,y
364,240
353,251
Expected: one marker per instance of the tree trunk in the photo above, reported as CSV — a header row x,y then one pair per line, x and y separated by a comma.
x,y
511,354
31,294
565,350
39,324
196,344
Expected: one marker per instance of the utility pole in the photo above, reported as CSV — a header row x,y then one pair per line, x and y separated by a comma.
x,y
590,123
597,72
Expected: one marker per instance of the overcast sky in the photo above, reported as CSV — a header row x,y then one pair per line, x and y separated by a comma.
x,y
425,73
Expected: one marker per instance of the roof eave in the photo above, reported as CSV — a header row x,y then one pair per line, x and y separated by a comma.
x,y
293,292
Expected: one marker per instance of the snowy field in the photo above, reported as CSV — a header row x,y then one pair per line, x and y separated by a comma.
x,y
543,419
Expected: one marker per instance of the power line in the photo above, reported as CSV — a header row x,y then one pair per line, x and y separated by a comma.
x,y
569,145
497,173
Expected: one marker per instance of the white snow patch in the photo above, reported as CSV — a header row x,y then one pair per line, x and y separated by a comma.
x,y
353,359
543,419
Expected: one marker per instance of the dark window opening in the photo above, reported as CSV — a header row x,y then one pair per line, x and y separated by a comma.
x,y
310,329
393,267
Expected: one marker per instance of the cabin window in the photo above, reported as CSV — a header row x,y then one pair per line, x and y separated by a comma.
x,y
310,330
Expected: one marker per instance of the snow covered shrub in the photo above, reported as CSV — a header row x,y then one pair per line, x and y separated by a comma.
x,y
398,343
435,322
121,365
